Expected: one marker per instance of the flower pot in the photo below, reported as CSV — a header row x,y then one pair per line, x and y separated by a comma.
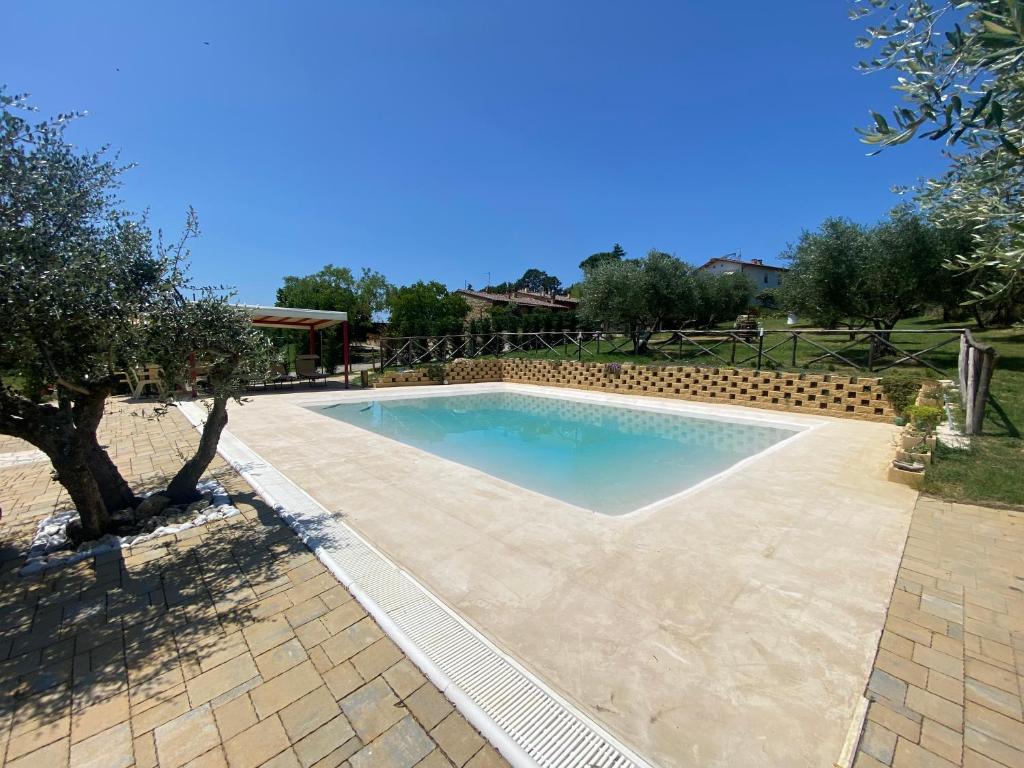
x,y
911,440
906,477
914,457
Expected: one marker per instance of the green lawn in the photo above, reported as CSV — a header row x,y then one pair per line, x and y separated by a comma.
x,y
992,470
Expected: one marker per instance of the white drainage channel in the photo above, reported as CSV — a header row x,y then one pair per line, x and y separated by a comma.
x,y
523,718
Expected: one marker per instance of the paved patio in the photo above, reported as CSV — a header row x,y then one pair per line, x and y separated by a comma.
x,y
228,644
946,685
735,626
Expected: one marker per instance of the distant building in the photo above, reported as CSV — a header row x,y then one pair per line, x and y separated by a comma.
x,y
763,276
481,303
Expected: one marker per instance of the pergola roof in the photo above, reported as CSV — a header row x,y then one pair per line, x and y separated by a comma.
x,y
291,317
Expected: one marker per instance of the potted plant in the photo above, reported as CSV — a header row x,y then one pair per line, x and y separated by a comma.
x,y
923,421
436,372
901,390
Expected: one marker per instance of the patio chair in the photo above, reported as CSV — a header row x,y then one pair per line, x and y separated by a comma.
x,y
305,368
149,375
279,375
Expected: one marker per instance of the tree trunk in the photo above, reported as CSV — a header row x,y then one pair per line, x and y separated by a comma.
x,y
54,431
182,489
114,489
73,473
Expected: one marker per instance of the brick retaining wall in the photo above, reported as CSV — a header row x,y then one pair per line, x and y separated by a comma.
x,y
812,393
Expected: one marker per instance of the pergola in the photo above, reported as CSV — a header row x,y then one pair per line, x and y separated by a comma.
x,y
311,320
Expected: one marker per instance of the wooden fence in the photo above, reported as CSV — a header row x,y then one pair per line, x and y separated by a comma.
x,y
974,366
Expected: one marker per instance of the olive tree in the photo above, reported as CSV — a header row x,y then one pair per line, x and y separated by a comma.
x,y
83,295
637,295
960,70
854,275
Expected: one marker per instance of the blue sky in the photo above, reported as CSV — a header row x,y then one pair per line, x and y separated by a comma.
x,y
444,140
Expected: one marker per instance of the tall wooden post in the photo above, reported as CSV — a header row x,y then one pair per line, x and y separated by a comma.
x,y
344,347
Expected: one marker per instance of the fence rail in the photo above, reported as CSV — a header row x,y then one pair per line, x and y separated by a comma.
x,y
947,352
861,350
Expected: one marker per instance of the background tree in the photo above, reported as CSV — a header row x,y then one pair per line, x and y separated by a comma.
x,y
718,298
538,281
961,79
336,289
426,309
615,254
850,274
824,267
637,295
82,292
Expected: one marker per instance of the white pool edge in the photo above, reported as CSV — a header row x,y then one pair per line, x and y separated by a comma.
x,y
542,722
706,411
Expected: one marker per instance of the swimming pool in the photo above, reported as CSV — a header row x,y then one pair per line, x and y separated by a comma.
x,y
602,457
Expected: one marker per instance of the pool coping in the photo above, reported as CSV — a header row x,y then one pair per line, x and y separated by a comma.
x,y
524,718
802,426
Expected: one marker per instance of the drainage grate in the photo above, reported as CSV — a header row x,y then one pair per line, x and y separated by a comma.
x,y
526,720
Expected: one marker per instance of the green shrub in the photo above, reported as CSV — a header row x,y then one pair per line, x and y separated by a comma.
x,y
435,372
925,418
902,390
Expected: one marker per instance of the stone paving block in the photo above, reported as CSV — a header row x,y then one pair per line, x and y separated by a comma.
x,y
280,659
991,749
910,755
186,737
488,757
404,678
235,716
330,744
943,741
165,711
351,640
266,634
342,679
457,738
993,698
304,716
257,744
31,739
997,726
53,755
947,665
213,759
278,693
111,748
904,723
429,706
879,742
403,745
372,709
887,686
210,685
947,687
98,717
374,660
902,668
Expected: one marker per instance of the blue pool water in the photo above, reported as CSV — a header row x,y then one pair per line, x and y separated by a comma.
x,y
605,458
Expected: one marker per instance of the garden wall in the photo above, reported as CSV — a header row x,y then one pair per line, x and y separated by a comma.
x,y
811,393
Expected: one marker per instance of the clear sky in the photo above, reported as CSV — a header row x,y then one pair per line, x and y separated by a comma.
x,y
444,140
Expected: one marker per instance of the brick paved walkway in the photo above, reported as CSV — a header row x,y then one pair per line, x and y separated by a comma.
x,y
947,681
228,644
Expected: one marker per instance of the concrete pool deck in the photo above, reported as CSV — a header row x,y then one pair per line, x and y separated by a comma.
x,y
734,626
